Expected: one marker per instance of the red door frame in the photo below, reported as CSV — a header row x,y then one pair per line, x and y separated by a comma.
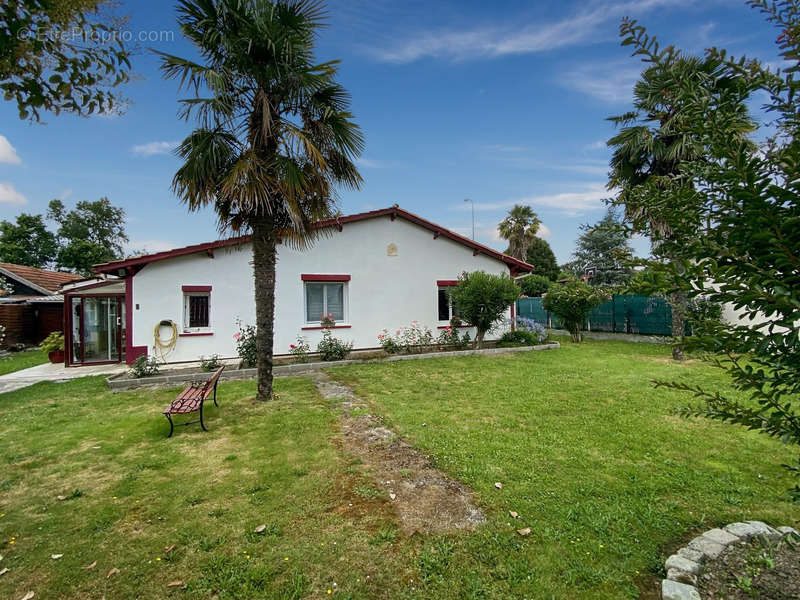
x,y
69,359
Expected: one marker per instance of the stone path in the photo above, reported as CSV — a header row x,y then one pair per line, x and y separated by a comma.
x,y
425,500
50,372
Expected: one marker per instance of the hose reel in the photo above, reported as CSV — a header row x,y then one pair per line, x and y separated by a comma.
x,y
161,345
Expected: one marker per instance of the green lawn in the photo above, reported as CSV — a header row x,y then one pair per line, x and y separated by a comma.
x,y
590,455
16,361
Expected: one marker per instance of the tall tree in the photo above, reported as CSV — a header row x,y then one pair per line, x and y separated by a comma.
x,y
91,233
27,242
748,258
275,136
519,229
541,256
61,55
652,146
604,246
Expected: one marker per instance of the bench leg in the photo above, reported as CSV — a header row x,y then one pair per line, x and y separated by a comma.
x,y
203,425
215,395
171,426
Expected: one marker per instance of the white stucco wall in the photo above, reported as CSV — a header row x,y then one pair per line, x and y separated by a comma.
x,y
383,292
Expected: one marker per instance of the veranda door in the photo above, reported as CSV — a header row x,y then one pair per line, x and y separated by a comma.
x,y
97,329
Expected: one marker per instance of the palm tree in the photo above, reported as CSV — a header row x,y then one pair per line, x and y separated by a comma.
x,y
653,144
274,137
519,229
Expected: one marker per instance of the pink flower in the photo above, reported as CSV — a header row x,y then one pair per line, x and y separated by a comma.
x,y
447,328
292,346
398,332
237,336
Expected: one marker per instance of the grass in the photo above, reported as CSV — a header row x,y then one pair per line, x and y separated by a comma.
x,y
16,361
589,454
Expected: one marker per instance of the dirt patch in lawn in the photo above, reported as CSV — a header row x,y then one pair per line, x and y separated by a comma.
x,y
425,500
758,569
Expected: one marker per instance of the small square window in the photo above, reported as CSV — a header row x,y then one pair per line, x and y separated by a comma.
x,y
196,310
325,299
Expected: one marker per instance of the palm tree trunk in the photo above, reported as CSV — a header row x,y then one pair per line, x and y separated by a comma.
x,y
679,305
479,334
264,261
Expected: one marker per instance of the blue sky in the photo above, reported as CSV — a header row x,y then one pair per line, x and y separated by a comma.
x,y
501,102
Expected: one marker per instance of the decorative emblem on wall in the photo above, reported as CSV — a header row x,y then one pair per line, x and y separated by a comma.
x,y
391,249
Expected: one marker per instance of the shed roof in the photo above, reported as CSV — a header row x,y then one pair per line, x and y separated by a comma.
x,y
46,282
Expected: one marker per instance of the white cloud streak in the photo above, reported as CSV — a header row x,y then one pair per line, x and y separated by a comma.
x,y
8,195
153,148
609,83
494,42
8,153
585,199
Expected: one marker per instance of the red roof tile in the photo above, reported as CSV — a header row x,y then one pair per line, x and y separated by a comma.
x,y
50,281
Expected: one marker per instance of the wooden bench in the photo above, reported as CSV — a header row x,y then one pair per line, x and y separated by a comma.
x,y
191,400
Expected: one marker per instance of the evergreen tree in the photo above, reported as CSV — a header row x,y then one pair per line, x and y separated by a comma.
x,y
541,256
604,247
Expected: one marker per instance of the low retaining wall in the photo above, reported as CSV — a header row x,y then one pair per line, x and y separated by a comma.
x,y
687,564
177,378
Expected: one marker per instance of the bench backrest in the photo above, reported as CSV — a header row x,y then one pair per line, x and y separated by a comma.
x,y
213,380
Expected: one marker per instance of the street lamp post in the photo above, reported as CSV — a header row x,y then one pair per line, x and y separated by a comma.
x,y
472,204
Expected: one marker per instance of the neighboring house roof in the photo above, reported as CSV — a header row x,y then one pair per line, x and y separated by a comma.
x,y
54,299
393,212
46,282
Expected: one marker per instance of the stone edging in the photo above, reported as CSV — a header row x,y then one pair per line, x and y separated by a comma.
x,y
116,383
686,565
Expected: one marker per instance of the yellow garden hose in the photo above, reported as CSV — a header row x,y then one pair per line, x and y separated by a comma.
x,y
161,346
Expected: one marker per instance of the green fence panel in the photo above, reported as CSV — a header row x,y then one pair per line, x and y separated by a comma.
x,y
531,308
622,314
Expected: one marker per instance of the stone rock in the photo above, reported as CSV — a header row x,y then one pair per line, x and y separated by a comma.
x,y
674,590
786,530
708,547
692,554
744,531
682,564
681,576
721,537
765,530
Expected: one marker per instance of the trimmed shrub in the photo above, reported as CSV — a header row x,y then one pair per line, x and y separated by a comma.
x,y
534,286
571,302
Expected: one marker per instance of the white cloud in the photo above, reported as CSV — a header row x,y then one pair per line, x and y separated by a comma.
x,y
611,83
585,199
152,148
366,163
8,154
8,195
596,145
544,232
493,42
370,163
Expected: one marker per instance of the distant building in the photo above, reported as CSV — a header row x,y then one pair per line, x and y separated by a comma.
x,y
33,307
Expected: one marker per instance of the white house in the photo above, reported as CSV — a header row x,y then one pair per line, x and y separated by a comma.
x,y
378,269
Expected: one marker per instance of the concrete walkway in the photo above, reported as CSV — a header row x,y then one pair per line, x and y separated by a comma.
x,y
51,372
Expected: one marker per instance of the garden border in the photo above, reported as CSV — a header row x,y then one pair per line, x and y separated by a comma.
x,y
686,565
116,384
